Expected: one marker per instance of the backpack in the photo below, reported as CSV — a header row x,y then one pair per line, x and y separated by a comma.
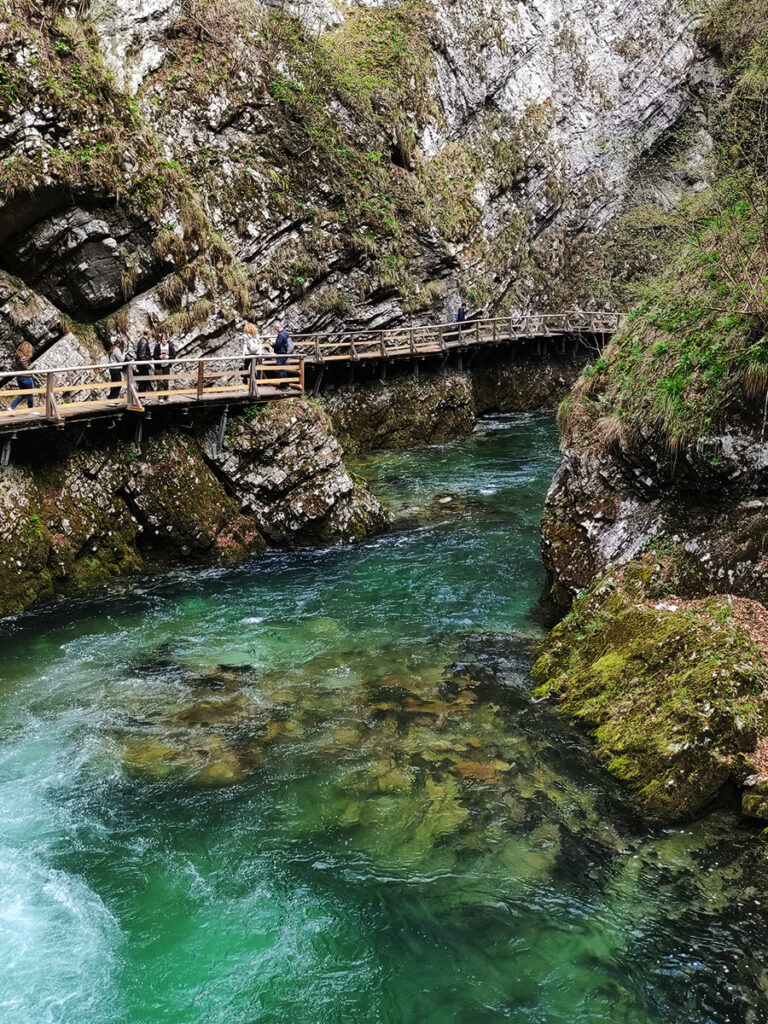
x,y
290,348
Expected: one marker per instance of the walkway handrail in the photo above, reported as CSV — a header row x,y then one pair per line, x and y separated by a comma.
x,y
74,390
596,319
136,384
106,366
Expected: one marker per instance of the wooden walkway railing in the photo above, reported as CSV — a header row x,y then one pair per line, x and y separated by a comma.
x,y
435,338
85,391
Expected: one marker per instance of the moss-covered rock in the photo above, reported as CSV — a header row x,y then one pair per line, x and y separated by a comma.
x,y
670,691
403,411
71,519
754,802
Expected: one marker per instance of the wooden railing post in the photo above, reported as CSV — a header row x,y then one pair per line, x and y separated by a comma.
x,y
200,378
352,350
318,350
132,399
253,382
411,341
51,410
301,374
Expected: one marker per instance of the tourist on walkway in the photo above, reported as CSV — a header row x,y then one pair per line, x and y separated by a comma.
x,y
284,347
144,355
163,355
22,360
253,349
115,363
461,316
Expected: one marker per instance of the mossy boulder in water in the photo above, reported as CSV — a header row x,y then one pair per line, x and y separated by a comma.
x,y
671,692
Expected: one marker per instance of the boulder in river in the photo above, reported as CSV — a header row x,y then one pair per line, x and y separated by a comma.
x,y
671,691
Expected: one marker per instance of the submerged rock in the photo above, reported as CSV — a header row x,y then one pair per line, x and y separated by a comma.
x,y
409,759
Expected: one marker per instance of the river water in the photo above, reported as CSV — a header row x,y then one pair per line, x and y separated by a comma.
x,y
313,790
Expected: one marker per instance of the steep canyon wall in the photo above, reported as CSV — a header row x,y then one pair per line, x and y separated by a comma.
x,y
187,162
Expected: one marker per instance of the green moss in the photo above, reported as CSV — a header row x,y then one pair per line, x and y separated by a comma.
x,y
669,697
693,350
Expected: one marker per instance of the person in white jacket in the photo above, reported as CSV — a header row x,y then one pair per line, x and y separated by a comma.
x,y
253,349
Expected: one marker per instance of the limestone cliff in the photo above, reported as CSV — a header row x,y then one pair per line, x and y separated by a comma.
x,y
74,516
185,162
665,460
437,406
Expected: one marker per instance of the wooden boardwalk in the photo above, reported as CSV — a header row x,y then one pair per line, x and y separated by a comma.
x,y
84,393
432,339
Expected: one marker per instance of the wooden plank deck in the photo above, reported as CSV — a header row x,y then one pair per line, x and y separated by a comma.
x,y
81,392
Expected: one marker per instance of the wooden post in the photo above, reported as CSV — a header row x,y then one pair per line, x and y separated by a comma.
x,y
301,374
412,343
382,347
253,381
222,431
318,350
477,331
494,330
200,378
442,339
352,350
132,397
51,409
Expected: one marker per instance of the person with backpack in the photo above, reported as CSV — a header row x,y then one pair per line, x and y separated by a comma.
x,y
22,360
143,355
163,355
253,349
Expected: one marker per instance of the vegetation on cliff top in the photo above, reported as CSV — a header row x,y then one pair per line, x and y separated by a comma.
x,y
694,351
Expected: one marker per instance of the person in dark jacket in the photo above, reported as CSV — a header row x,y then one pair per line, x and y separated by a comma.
x,y
143,354
163,355
461,316
22,360
283,347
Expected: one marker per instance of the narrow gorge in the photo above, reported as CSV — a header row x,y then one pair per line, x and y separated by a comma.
x,y
394,648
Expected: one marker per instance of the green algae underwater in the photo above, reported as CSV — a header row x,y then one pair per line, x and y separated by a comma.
x,y
315,789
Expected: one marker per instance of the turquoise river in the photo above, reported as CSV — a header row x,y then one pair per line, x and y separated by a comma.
x,y
313,789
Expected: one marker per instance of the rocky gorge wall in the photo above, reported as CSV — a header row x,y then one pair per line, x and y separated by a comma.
x,y
72,517
183,163
655,529
441,404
